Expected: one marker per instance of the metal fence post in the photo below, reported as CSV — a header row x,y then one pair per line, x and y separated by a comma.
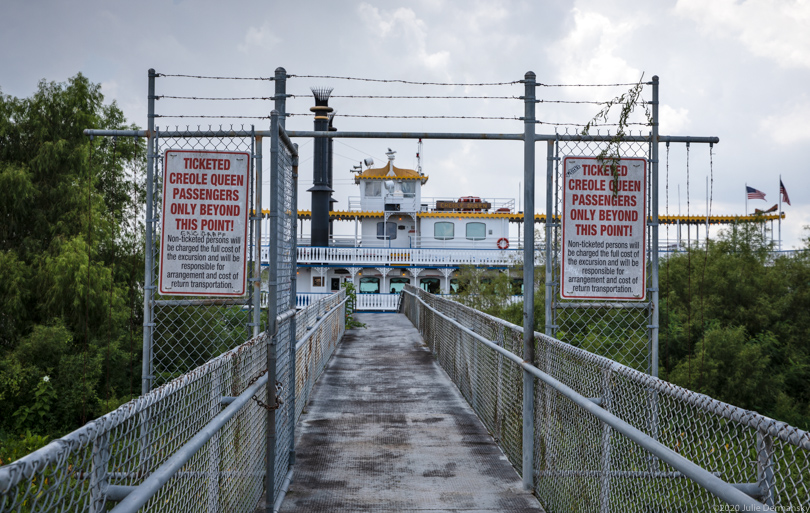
x,y
280,97
148,278
99,478
215,407
654,226
272,308
765,474
549,299
528,279
293,292
257,234
607,432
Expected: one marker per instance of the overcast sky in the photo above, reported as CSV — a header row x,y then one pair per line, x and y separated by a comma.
x,y
738,70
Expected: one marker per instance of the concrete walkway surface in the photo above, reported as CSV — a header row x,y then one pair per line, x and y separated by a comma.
x,y
386,430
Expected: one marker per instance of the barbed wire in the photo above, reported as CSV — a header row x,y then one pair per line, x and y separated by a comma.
x,y
417,97
410,82
218,98
415,116
393,116
539,84
385,97
213,77
398,81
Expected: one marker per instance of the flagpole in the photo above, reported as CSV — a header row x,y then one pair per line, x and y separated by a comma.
x,y
780,213
746,198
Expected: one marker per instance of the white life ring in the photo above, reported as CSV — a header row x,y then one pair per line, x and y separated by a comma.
x,y
503,243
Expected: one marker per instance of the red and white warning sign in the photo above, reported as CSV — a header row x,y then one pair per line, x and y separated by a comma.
x,y
204,230
604,229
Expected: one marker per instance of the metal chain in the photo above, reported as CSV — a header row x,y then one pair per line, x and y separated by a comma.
x,y
279,391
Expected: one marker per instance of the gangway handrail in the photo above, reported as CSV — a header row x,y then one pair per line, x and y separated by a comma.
x,y
721,489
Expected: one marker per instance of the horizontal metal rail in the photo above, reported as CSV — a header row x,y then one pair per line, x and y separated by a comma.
x,y
716,486
314,328
400,135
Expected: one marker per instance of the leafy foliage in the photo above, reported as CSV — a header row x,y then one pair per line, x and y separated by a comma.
x,y
351,293
71,259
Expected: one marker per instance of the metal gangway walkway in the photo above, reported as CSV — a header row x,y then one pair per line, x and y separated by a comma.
x,y
386,430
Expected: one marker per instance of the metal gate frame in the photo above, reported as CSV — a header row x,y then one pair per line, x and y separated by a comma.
x,y
530,138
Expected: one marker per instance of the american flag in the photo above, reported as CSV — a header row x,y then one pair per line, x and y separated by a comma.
x,y
782,190
754,194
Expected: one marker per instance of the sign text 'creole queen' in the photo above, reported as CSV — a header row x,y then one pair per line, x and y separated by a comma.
x,y
604,229
204,223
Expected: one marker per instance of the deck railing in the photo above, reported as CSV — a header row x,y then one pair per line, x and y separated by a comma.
x,y
409,256
607,437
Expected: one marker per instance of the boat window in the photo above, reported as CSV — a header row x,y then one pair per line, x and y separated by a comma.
x,y
408,188
476,231
387,231
454,285
431,285
444,231
373,189
369,285
397,284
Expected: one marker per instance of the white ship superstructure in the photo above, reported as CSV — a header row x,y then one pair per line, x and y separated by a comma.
x,y
402,237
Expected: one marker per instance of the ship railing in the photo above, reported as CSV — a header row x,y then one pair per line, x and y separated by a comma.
x,y
377,302
430,257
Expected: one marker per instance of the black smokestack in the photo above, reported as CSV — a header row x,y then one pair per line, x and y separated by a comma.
x,y
321,191
330,183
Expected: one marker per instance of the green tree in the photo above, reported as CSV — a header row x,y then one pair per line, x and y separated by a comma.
x,y
735,324
71,257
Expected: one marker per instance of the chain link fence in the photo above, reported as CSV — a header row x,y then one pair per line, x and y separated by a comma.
x,y
199,441
616,330
187,331
583,464
101,463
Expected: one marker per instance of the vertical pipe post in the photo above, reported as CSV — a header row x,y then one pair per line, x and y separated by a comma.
x,y
654,225
99,478
765,478
259,184
293,292
272,303
148,278
280,97
528,279
549,236
257,234
607,431
214,406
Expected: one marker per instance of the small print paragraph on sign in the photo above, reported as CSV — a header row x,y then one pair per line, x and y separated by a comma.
x,y
604,229
204,224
